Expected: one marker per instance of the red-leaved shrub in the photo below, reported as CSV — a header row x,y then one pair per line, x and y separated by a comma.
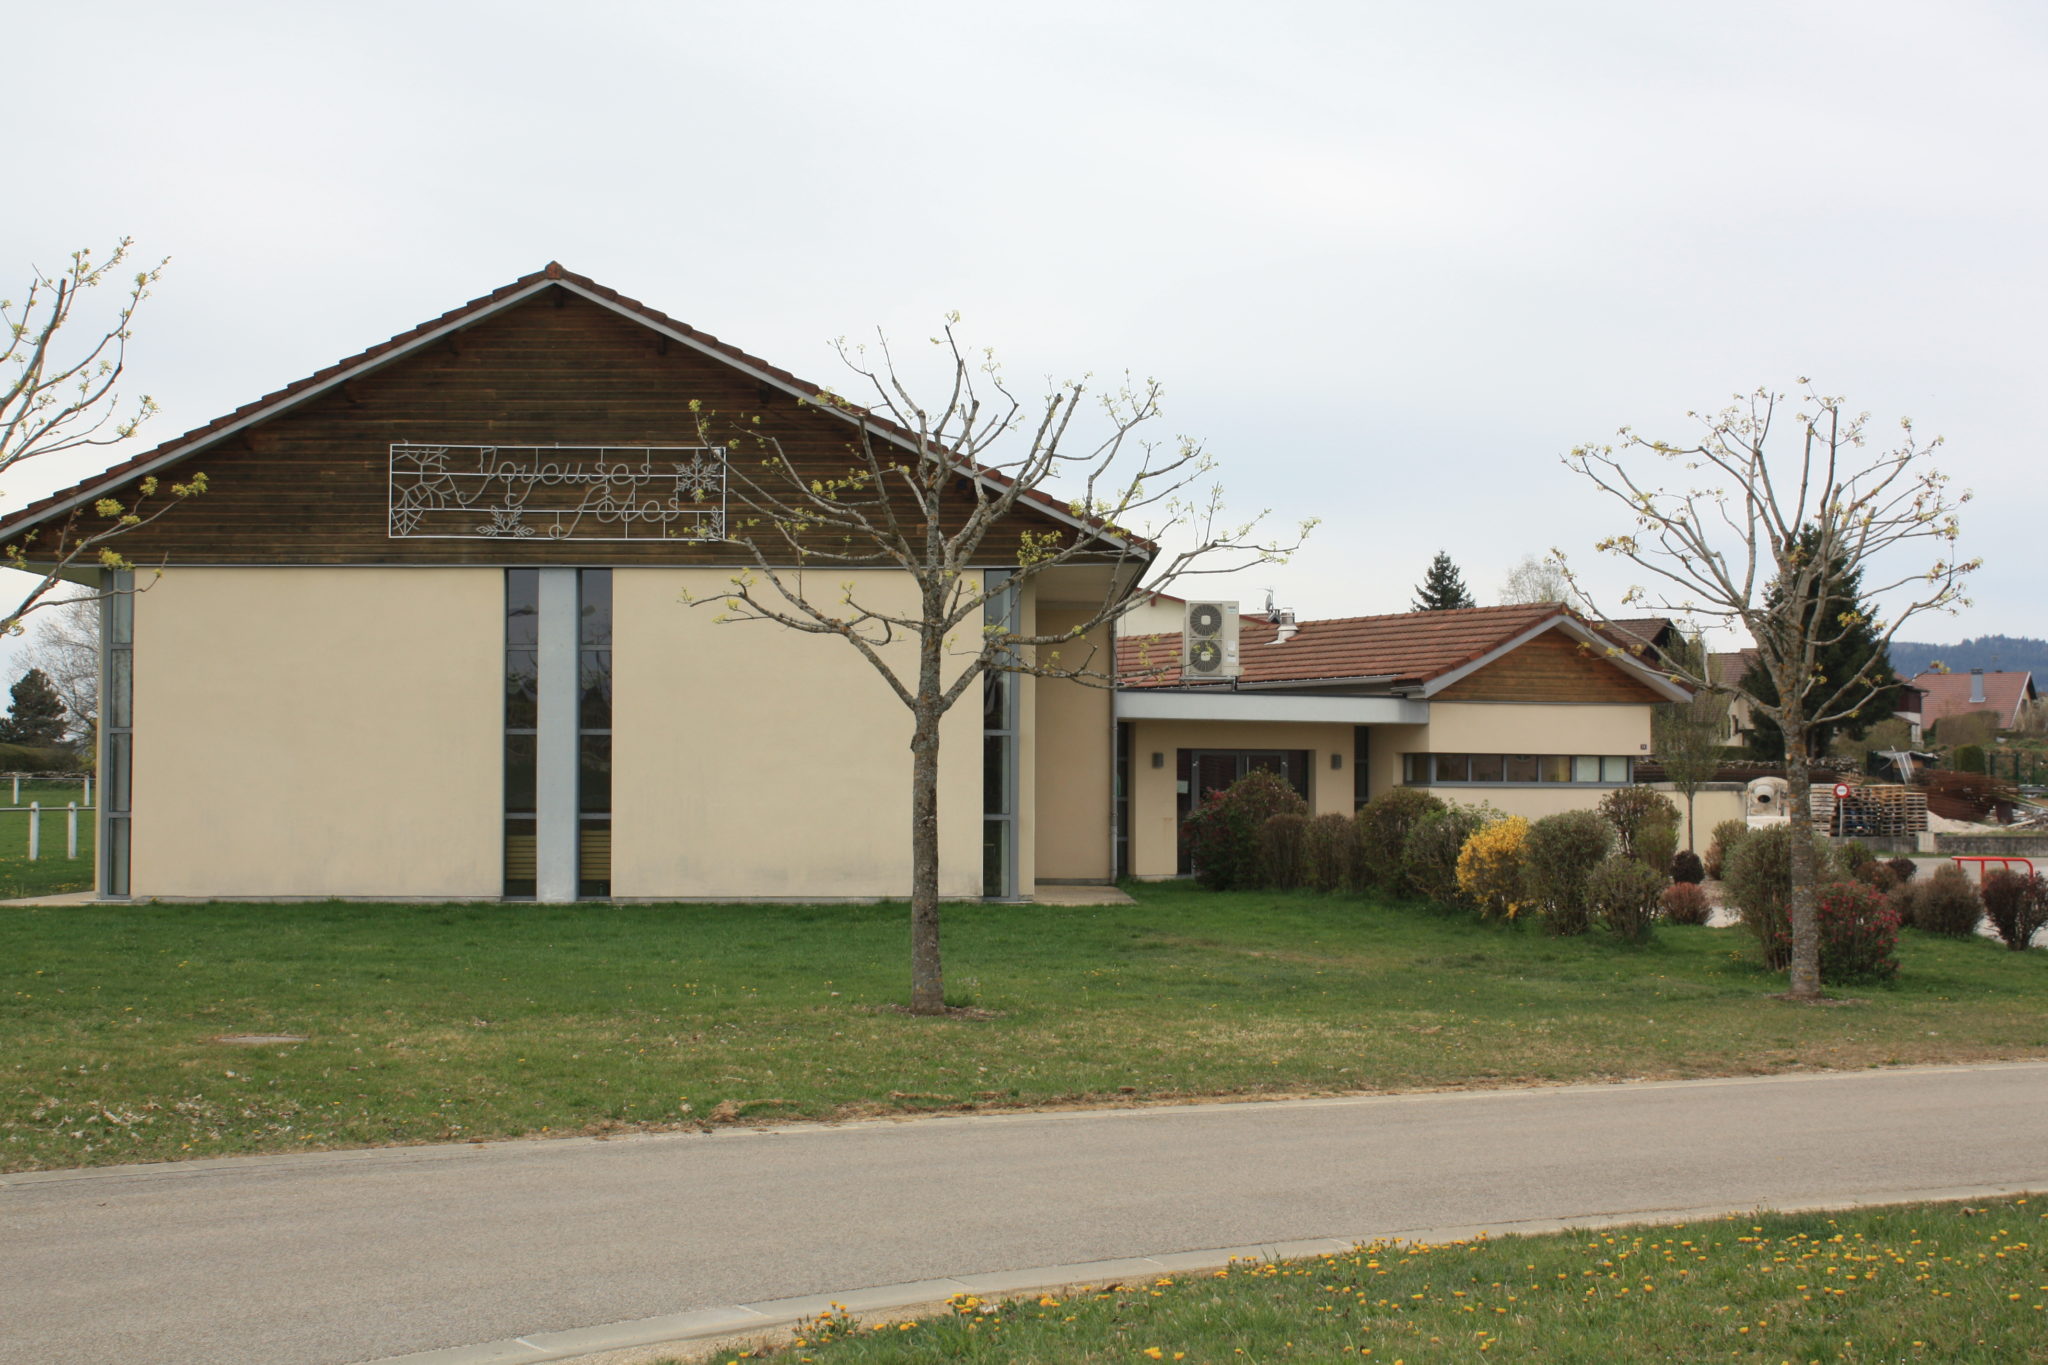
x,y
2017,906
1685,903
1859,933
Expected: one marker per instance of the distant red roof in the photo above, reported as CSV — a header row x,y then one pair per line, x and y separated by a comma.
x,y
1948,694
1404,650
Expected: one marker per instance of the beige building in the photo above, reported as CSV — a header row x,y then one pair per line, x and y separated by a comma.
x,y
432,633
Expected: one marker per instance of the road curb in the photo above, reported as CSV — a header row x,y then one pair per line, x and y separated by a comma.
x,y
702,1327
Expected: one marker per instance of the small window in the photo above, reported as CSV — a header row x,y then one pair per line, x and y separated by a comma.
x,y
1556,767
1521,767
1487,768
1585,769
1614,769
1451,767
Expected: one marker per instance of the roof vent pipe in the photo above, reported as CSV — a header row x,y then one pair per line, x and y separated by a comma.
x,y
1285,620
1977,685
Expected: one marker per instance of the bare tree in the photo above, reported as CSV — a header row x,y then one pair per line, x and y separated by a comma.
x,y
64,642
1535,580
1686,735
59,393
1752,535
924,490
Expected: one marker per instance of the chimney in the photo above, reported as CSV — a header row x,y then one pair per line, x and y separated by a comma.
x,y
1284,618
1977,697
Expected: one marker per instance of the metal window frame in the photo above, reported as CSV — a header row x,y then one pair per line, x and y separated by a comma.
x,y
115,853
1000,608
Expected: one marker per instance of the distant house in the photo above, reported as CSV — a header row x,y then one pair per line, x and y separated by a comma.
x,y
1527,708
2005,695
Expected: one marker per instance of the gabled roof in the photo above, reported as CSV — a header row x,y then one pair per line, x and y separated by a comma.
x,y
1727,670
1416,651
551,276
1948,694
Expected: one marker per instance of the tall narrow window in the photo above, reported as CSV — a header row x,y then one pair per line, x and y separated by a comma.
x,y
522,724
999,749
594,734
117,626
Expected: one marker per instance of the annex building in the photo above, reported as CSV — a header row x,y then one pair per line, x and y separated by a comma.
x,y
428,635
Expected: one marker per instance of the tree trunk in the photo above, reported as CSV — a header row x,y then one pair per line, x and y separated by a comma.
x,y
927,979
1805,971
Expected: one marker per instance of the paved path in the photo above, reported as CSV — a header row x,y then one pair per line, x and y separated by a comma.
x,y
329,1258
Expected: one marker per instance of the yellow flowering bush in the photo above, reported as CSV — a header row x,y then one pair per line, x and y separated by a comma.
x,y
1490,867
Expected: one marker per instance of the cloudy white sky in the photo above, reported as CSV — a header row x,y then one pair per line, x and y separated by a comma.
x,y
1390,260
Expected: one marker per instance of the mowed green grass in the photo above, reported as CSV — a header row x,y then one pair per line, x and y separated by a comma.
x,y
52,872
1936,1283
436,1023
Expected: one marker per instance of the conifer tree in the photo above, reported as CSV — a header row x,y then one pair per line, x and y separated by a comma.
x,y
1848,653
37,714
1442,588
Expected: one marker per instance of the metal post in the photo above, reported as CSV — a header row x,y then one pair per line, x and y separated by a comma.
x,y
35,829
88,792
71,831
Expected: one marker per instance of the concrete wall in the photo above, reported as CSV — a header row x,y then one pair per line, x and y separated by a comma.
x,y
1073,746
755,761
319,732
1154,836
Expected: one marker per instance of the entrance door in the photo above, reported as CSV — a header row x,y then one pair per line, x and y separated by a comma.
x,y
1203,771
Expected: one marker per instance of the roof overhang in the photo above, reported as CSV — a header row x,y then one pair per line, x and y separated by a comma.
x,y
1220,704
1601,647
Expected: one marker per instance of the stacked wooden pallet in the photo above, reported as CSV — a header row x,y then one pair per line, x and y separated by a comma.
x,y
1877,810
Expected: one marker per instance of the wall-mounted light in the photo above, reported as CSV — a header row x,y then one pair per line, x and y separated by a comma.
x,y
1159,760
1336,761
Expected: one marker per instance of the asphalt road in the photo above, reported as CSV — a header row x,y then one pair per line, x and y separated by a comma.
x,y
344,1257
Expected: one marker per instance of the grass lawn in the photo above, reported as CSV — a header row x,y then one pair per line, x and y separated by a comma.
x,y
1938,1283
427,1023
52,872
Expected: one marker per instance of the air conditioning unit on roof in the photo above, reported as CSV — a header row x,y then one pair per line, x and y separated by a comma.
x,y
1209,642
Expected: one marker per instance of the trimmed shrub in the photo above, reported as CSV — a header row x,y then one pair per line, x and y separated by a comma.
x,y
1429,862
1853,855
1328,850
1558,854
1727,835
1902,870
1280,850
1223,832
1622,893
1645,825
1686,867
30,758
1685,903
1490,867
1945,903
1384,824
2017,906
1759,879
1970,758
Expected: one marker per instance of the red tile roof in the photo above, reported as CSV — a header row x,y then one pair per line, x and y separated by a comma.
x,y
1948,694
1404,650
552,272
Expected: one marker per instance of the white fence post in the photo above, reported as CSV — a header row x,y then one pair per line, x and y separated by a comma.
x,y
35,829
88,791
17,790
71,831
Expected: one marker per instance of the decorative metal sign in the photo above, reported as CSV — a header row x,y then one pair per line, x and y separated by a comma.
x,y
455,492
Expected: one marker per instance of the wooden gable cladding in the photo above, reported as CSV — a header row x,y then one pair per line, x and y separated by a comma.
x,y
311,484
1552,667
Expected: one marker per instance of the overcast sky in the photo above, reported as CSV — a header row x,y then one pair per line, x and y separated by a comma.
x,y
1390,260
